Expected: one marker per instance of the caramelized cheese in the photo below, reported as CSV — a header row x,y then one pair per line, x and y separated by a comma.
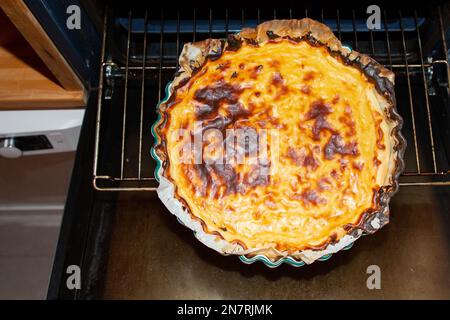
x,y
332,145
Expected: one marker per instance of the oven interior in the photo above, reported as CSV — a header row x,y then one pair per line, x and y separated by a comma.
x,y
128,244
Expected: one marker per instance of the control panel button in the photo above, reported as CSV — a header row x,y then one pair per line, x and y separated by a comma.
x,y
9,150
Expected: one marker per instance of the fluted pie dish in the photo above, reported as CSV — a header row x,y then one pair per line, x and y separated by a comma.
x,y
278,143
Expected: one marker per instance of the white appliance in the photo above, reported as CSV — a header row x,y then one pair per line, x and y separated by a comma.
x,y
33,132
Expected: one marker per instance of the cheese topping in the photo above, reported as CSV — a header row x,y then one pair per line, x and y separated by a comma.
x,y
326,145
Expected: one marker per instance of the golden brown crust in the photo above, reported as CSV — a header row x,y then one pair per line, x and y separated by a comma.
x,y
195,55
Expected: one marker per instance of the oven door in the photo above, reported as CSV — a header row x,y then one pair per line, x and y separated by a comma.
x,y
124,242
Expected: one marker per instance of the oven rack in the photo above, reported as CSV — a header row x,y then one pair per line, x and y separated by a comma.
x,y
133,78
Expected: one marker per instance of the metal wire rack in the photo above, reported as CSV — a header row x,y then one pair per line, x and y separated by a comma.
x,y
139,56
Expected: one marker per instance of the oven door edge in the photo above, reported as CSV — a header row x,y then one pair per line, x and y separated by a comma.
x,y
85,223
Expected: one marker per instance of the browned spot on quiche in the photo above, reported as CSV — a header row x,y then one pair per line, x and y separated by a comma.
x,y
347,119
310,75
306,89
335,99
303,158
336,145
318,112
213,96
256,71
310,197
279,83
358,165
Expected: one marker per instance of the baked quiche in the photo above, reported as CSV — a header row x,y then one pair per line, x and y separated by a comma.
x,y
279,141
